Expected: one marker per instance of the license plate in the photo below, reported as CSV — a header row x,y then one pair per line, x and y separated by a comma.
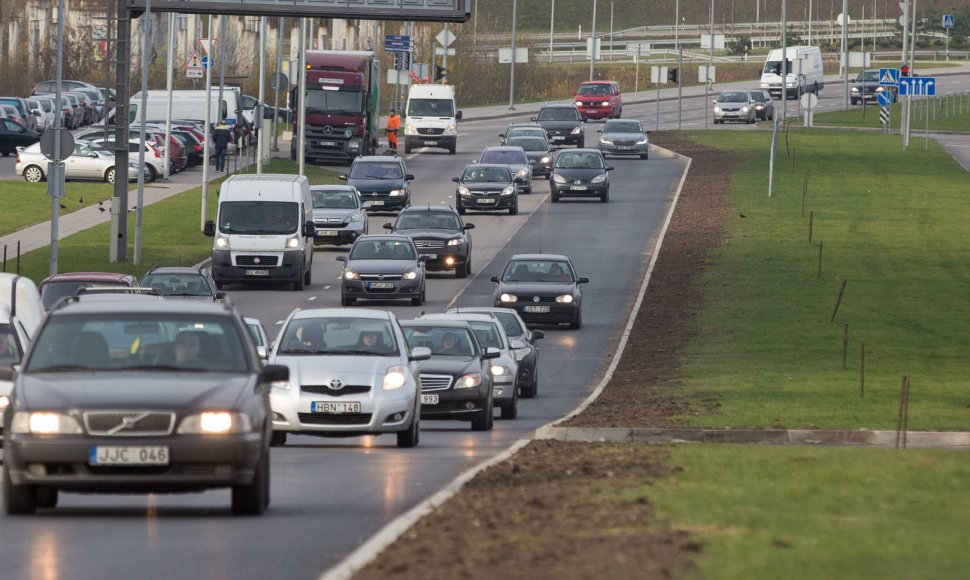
x,y
558,138
485,201
624,147
535,309
377,202
326,232
430,142
257,272
578,188
335,408
429,399
381,285
429,256
328,143
128,455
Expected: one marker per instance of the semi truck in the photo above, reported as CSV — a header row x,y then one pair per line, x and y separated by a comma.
x,y
342,114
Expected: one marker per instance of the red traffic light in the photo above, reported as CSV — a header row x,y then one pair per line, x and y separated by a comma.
x,y
905,71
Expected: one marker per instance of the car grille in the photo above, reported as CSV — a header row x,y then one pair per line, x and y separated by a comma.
x,y
335,419
326,390
257,260
330,223
620,143
531,299
435,382
429,244
430,131
480,193
384,277
128,423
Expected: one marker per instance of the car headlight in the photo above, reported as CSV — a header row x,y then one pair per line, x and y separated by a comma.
x,y
411,275
642,141
576,131
462,190
717,109
409,129
790,84
451,130
293,242
605,104
880,89
396,192
215,423
351,275
520,353
354,217
354,145
45,423
455,242
524,172
558,178
545,159
508,190
500,370
469,381
605,141
222,242
599,178
506,297
854,90
745,108
565,298
4,401
395,378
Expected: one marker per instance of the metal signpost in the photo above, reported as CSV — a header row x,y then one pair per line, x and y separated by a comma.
x,y
947,25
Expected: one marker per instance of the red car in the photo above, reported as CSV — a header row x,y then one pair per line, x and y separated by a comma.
x,y
55,288
599,100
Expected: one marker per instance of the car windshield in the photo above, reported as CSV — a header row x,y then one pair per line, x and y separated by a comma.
x,y
427,221
333,199
558,114
443,341
431,108
526,131
334,102
505,156
376,170
338,336
487,175
177,284
537,271
162,341
529,143
594,89
733,97
579,161
54,291
382,250
622,127
258,217
869,76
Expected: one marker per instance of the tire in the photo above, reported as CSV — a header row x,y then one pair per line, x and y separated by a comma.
x,y
46,497
152,174
555,196
407,148
464,270
252,499
511,410
34,174
484,422
409,439
578,321
277,439
855,101
460,208
451,150
220,285
300,284
514,208
309,273
109,175
418,300
532,390
347,301
644,156
18,499
605,197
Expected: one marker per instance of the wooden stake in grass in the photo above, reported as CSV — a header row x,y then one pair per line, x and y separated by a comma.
x,y
811,223
839,301
862,370
808,173
845,343
793,161
902,423
820,259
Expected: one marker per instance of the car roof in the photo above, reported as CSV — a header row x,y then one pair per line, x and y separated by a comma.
x,y
429,209
437,322
586,150
471,316
370,313
381,158
348,188
517,257
117,303
174,270
502,148
389,236
559,106
91,277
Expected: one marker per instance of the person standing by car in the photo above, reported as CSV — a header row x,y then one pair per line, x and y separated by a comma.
x,y
221,137
393,124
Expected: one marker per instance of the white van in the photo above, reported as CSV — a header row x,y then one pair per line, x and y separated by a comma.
x,y
21,314
187,104
803,73
263,230
430,118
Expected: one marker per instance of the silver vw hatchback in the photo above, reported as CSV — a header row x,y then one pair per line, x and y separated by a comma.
x,y
351,373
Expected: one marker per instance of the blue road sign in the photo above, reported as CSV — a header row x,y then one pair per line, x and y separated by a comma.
x,y
918,86
397,38
947,21
885,98
205,62
889,76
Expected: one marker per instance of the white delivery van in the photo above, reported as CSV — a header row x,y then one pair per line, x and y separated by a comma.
x,y
802,69
21,314
263,230
187,104
430,118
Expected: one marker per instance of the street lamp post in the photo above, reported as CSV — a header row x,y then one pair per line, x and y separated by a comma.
x,y
592,43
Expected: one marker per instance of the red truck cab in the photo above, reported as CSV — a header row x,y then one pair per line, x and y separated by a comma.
x,y
599,100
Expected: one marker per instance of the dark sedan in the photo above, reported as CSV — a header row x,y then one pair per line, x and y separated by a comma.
x,y
440,236
486,187
563,125
382,267
13,135
456,382
542,288
580,173
867,87
382,180
538,151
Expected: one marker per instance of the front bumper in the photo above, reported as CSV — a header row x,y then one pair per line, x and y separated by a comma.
x,y
563,139
362,289
556,314
299,411
595,111
624,149
384,202
439,261
287,267
583,190
337,234
457,405
442,141
486,202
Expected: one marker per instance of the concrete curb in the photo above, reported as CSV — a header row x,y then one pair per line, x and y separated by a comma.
x,y
808,437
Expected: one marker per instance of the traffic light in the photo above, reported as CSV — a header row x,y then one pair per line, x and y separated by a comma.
x,y
904,71
439,72
672,75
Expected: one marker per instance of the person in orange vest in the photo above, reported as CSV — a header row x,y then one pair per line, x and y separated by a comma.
x,y
393,124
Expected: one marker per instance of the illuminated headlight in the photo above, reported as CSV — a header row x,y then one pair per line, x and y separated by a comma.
x,y
281,385
558,178
605,104
545,159
216,423
854,90
409,129
500,370
222,242
508,190
879,89
605,141
469,381
44,424
395,378
293,242
4,401
353,145
396,192
519,354
506,297
352,218
576,131
643,141
524,172
454,242
450,261
745,108
717,109
462,190
598,179
565,299
351,275
411,275
451,130
790,84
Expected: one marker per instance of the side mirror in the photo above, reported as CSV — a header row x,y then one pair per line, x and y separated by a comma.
x,y
491,352
456,179
309,229
420,353
458,115
468,227
409,177
366,205
220,295
388,226
6,373
494,279
209,228
341,259
342,177
533,119
274,374
609,169
536,335
583,280
261,353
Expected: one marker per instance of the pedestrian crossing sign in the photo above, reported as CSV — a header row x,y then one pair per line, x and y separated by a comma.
x,y
889,76
947,21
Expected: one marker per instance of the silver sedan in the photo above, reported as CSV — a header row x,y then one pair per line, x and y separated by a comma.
x,y
624,137
351,373
84,163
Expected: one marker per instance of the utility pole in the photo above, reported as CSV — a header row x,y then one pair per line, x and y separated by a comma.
x,y
512,64
592,42
118,247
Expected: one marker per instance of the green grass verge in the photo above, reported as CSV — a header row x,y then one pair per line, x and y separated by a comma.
x,y
779,512
950,113
171,232
892,225
25,204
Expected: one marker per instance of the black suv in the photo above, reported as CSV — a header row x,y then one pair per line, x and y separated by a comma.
x,y
487,187
383,180
440,235
563,124
183,282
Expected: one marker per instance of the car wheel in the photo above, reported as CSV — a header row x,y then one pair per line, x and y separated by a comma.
x,y
451,150
532,390
511,410
409,439
18,499
605,196
308,275
252,499
300,284
46,497
34,174
347,301
465,269
460,208
418,300
277,439
407,148
578,321
219,285
109,175
152,173
554,195
514,208
484,420
855,101
644,156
